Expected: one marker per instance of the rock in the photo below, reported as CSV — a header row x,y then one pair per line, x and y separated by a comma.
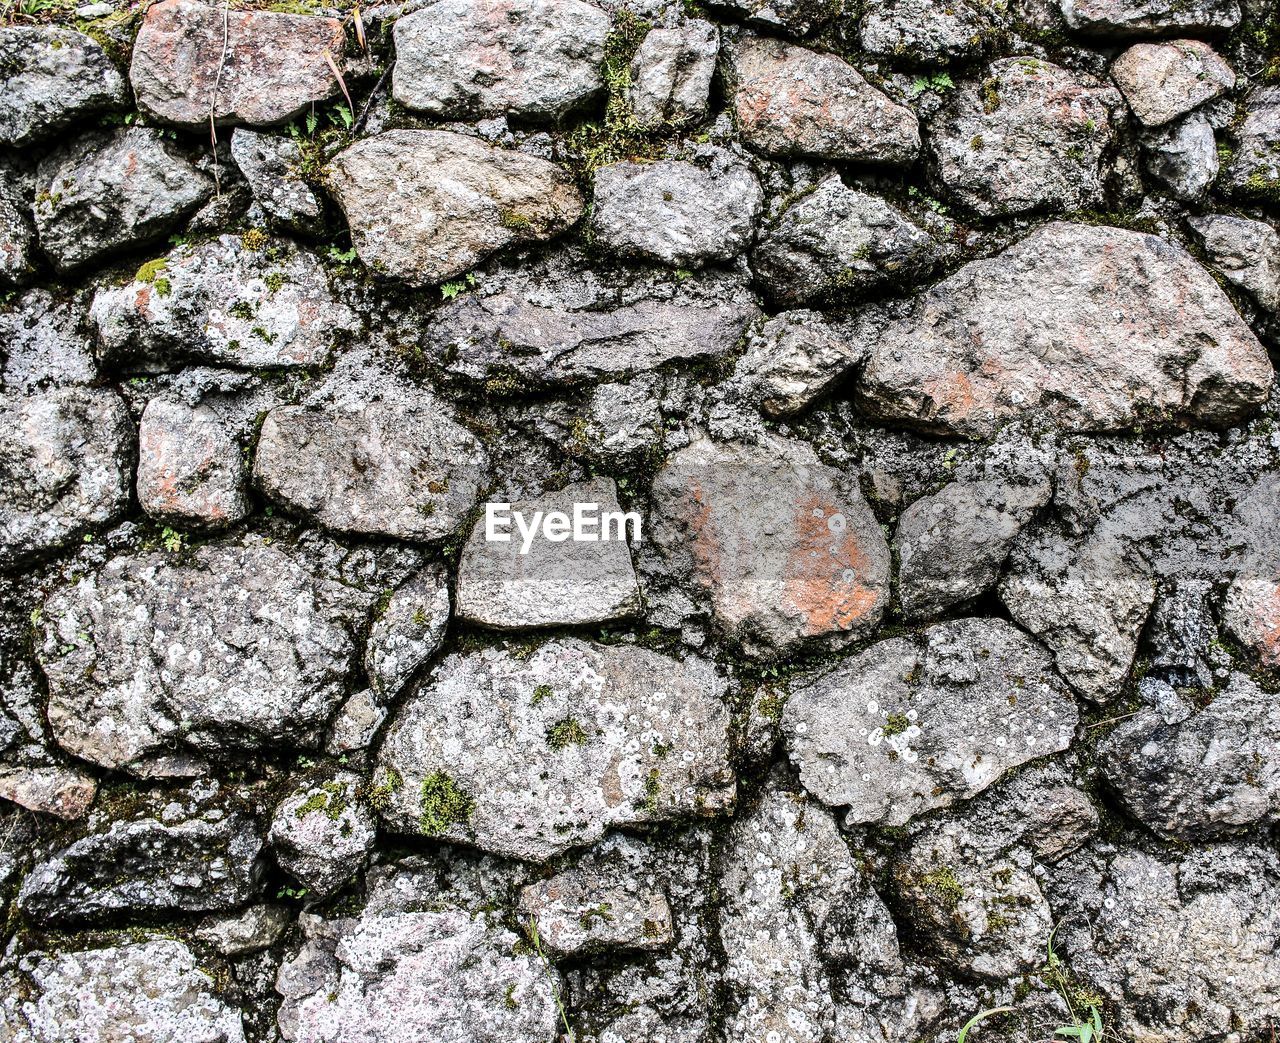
x,y
52,77
951,545
44,343
1184,156
920,32
1251,609
1031,333
108,192
791,17
193,658
321,833
917,723
676,212
784,547
201,862
255,67
53,790
66,468
227,301
407,632
793,359
355,725
1253,169
837,241
567,583
413,976
789,101
17,237
272,165
527,757
1215,772
454,199
1245,252
671,74
1184,945
1129,18
399,466
1162,81
1087,605
242,934
623,421
1029,135
468,59
145,992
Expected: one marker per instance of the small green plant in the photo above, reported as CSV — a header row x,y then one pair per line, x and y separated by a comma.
x,y
566,732
541,692
441,804
1086,1031
450,290
896,724
940,82
172,540
980,1017
535,940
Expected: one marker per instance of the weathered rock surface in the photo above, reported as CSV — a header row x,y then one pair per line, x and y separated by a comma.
x,y
272,164
1030,135
1033,332
837,241
508,585
228,301
951,545
107,192
355,725
1129,18
671,73
1245,252
791,17
239,934
407,631
789,101
64,467
919,31
1251,609
676,212
467,59
44,343
52,790
792,359
144,992
424,205
1183,155
272,67
528,757
1162,81
52,77
785,548
321,833
914,724
1253,171
17,236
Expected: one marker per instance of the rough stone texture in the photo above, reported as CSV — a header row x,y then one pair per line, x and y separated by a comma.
x,y
671,73
63,792
355,726
951,545
44,343
528,757
1031,332
1253,171
1129,18
1183,156
789,101
1251,609
467,59
153,991
838,241
271,163
676,212
64,461
17,236
1246,252
107,192
919,31
239,934
273,68
454,199
785,548
50,78
321,833
792,359
224,303
791,17
914,724
1162,81
407,631
567,583
1027,135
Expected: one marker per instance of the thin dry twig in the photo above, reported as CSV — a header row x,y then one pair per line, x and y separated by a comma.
x,y
1113,720
333,67
359,24
213,97
368,102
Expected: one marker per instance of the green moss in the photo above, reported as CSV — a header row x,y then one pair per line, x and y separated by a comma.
x,y
896,724
441,804
772,705
274,281
514,220
566,732
255,240
943,885
151,270
329,798
652,789
542,691
242,310
381,794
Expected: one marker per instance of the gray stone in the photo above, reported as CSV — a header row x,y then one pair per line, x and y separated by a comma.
x,y
676,212
425,205
1183,156
17,237
52,77
623,421
923,32
1028,135
1129,18
1251,609
145,992
44,343
530,756
789,101
468,59
414,976
792,359
917,723
566,583
272,165
65,467
355,725
229,301
1031,332
671,74
952,544
107,192
241,934
271,69
785,548
1162,81
407,631
51,790
1245,252
321,833
1253,170
837,241
792,17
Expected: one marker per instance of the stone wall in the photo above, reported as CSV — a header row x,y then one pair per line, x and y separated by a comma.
x,y
930,342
